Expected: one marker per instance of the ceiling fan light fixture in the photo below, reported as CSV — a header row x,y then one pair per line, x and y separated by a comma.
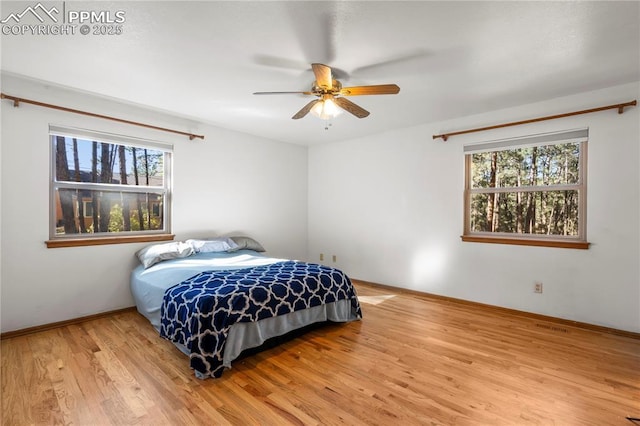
x,y
326,109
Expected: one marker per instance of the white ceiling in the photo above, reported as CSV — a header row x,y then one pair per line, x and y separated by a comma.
x,y
205,59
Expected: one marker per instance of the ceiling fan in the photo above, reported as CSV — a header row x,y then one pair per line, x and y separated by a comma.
x,y
330,94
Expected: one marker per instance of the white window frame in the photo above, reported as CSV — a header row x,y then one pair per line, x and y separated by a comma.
x,y
165,190
556,138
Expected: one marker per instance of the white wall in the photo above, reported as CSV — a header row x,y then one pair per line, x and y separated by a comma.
x,y
390,208
230,182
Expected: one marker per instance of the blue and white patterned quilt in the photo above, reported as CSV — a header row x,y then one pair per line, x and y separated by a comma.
x,y
198,312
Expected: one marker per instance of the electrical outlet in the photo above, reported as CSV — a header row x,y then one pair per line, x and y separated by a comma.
x,y
537,287
321,256
335,258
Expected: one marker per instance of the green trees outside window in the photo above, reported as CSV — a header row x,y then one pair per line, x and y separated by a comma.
x,y
107,188
531,190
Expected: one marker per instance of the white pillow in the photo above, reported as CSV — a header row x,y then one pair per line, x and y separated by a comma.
x,y
212,245
155,253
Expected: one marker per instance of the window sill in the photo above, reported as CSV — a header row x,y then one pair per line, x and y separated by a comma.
x,y
81,242
583,245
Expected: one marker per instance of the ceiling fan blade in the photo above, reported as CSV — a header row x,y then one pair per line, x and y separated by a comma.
x,y
349,106
305,110
416,62
283,93
278,62
315,28
380,89
395,64
323,75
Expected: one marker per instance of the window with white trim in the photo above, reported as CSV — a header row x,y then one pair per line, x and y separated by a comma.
x,y
105,186
530,190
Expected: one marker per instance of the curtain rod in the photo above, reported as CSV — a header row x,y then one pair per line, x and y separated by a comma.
x,y
619,107
16,103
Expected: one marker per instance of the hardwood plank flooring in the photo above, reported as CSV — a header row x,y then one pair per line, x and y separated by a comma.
x,y
412,360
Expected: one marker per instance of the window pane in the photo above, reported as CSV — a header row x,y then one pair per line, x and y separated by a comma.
x,y
529,166
79,160
540,213
85,211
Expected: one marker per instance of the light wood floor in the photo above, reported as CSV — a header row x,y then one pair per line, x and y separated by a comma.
x,y
411,360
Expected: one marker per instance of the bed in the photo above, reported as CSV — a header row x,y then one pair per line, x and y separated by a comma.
x,y
215,304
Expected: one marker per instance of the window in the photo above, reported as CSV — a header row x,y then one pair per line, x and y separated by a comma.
x,y
88,208
108,188
529,191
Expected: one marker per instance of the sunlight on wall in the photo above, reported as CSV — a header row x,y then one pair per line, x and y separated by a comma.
x,y
428,267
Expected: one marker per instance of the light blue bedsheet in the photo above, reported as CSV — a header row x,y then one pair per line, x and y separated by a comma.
x,y
148,285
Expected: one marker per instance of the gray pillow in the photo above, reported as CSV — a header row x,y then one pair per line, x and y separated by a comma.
x,y
155,253
246,243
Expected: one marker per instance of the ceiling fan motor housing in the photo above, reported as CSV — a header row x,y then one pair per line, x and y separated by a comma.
x,y
335,88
